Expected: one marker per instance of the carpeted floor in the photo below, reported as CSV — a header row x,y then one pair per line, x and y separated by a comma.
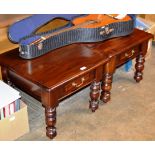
x,y
130,115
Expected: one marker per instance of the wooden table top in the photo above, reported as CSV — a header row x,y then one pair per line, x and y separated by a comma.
x,y
120,44
63,64
56,67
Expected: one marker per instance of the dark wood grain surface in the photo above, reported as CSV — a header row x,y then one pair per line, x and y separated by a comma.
x,y
117,45
55,67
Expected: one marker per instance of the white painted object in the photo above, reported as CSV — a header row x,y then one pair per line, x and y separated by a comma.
x,y
7,94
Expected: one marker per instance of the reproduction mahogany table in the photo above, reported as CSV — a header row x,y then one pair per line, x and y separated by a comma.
x,y
54,76
119,51
59,73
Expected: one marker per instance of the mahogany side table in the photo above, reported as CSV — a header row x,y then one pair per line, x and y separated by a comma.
x,y
55,75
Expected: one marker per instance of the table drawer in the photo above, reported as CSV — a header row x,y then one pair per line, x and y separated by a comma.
x,y
127,55
79,82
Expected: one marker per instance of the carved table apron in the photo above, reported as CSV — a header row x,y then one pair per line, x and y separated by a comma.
x,y
55,75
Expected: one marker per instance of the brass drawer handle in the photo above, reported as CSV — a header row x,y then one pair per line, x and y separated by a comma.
x,y
132,53
78,85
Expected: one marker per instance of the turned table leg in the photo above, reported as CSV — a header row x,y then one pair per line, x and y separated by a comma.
x,y
50,102
140,60
106,87
50,115
107,80
139,66
94,95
